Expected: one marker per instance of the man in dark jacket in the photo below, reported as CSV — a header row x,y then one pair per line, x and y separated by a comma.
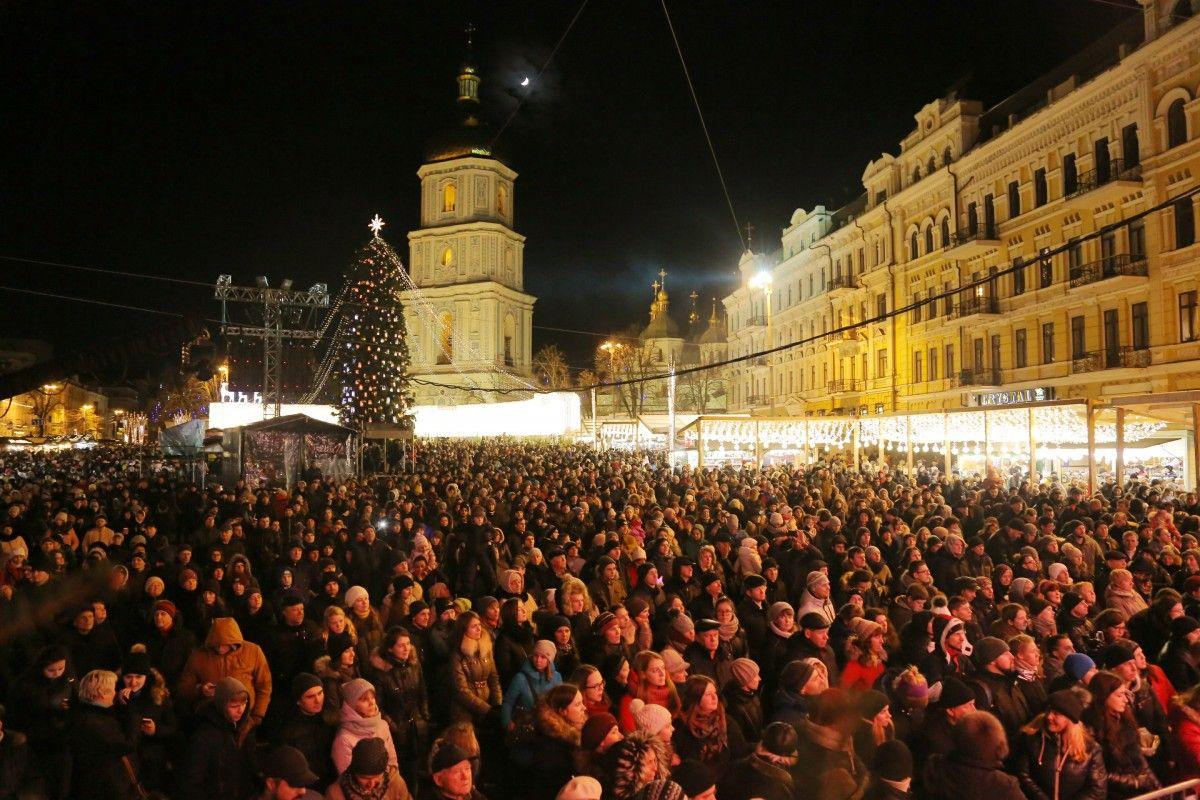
x,y
812,641
708,655
752,613
304,727
891,772
936,734
996,688
220,756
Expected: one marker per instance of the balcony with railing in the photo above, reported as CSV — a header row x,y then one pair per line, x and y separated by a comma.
x,y
1126,357
1119,271
970,240
843,386
847,343
757,321
1109,181
982,376
985,305
1088,362
839,285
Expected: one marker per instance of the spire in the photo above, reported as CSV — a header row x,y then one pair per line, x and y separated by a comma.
x,y
693,315
749,237
468,75
712,318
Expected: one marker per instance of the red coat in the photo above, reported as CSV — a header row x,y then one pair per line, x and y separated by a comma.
x,y
1185,740
859,677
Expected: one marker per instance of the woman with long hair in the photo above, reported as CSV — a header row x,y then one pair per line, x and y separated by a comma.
x,y
865,655
1031,678
703,733
558,724
515,640
1111,722
591,685
649,682
1055,758
475,683
1185,733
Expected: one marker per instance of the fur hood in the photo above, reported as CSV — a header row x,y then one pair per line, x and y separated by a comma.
x,y
324,668
480,648
1185,711
552,725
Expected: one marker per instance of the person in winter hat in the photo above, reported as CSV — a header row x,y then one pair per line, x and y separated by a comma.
x,y
581,787
1055,756
633,763
536,677
743,699
891,772
369,776
219,758
360,719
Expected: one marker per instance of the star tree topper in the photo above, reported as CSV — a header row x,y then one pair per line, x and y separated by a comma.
x,y
376,225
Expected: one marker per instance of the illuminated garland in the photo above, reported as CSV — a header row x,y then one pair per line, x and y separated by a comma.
x,y
373,359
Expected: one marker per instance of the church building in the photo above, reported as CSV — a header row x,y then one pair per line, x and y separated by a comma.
x,y
468,317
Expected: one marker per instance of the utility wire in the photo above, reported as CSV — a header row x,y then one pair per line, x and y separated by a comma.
x,y
92,302
704,126
533,83
908,309
104,271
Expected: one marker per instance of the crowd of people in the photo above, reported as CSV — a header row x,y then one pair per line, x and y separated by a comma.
x,y
511,620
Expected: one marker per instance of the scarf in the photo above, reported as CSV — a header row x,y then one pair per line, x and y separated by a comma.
x,y
351,790
711,734
728,630
781,634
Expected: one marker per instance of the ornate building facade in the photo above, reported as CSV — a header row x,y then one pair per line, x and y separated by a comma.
x,y
1017,242
468,317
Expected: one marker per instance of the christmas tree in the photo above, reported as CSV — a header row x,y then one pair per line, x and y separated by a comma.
x,y
372,347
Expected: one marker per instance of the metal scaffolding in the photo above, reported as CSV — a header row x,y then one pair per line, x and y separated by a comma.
x,y
275,315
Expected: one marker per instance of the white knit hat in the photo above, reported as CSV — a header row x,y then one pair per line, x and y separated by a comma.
x,y
356,593
650,718
582,787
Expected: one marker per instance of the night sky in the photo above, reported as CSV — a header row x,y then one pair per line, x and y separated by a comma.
x,y
191,139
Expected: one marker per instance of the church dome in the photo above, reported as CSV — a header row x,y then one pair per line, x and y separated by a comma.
x,y
661,327
714,333
471,137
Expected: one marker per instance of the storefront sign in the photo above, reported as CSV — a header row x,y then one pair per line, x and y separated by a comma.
x,y
1014,397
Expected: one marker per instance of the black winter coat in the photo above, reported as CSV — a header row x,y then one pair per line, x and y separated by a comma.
x,y
1045,775
402,699
745,711
754,776
956,778
97,746
312,736
216,764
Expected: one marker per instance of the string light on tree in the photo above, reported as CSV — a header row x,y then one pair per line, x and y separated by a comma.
x,y
374,361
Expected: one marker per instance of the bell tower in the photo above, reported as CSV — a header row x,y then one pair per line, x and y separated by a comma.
x,y
469,319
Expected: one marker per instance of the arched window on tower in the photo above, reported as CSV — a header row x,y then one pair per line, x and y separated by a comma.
x,y
1183,10
947,155
929,239
931,166
445,338
912,246
510,336
945,231
1176,124
501,200
449,197
916,174
448,258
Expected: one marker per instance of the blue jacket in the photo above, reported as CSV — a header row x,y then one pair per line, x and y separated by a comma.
x,y
526,687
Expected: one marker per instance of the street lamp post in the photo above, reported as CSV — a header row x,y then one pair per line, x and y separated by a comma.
x,y
762,280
